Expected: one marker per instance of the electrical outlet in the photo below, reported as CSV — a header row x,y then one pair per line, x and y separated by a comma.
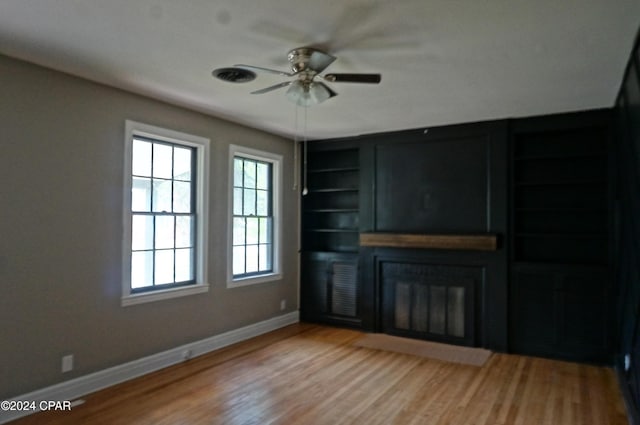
x,y
283,304
67,363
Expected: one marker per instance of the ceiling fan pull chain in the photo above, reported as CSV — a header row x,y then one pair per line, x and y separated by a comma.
x,y
305,190
295,149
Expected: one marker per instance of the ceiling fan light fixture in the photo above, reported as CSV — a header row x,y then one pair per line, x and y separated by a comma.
x,y
297,94
307,93
318,92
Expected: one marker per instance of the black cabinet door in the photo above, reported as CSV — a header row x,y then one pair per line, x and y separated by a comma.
x,y
560,311
330,289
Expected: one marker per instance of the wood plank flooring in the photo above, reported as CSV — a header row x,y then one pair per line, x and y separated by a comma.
x,y
308,374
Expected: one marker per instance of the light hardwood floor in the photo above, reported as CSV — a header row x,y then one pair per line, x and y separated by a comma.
x,y
308,374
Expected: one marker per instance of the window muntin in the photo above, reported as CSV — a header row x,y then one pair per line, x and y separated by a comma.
x,y
252,227
163,209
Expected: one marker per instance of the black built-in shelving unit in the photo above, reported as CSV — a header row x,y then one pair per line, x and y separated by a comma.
x,y
547,288
560,288
330,234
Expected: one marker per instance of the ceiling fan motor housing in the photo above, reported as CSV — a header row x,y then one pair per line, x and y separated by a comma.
x,y
299,58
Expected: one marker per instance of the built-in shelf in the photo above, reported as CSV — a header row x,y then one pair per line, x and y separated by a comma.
x,y
332,170
559,193
331,210
560,209
333,230
559,156
588,182
561,235
334,190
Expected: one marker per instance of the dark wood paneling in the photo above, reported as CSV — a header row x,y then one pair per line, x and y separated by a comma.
x,y
432,186
627,234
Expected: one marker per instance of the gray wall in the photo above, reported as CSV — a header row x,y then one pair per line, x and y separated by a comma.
x,y
61,178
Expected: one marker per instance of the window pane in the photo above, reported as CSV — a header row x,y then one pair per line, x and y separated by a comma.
x,y
162,195
141,269
141,158
164,267
184,265
252,230
265,257
164,232
237,201
162,161
252,258
140,194
141,232
184,232
239,231
182,164
238,260
262,202
265,230
181,197
262,176
249,202
237,172
249,174
163,215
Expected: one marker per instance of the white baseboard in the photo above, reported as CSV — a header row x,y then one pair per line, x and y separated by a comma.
x,y
78,387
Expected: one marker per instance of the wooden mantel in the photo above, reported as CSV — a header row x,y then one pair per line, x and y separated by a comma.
x,y
484,242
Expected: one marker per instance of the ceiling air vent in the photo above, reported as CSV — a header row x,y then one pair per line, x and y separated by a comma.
x,y
234,75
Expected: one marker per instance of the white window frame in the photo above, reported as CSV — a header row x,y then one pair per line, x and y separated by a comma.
x,y
201,146
276,164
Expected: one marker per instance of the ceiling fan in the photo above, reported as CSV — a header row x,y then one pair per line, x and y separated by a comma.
x,y
306,65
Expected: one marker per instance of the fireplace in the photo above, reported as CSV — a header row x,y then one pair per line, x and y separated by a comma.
x,y
431,301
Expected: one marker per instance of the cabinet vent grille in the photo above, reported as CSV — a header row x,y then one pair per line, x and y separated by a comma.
x,y
343,293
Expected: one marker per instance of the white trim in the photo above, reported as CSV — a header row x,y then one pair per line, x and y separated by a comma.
x,y
71,390
276,160
201,144
145,297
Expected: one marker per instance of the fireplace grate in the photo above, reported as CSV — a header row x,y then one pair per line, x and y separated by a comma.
x,y
430,301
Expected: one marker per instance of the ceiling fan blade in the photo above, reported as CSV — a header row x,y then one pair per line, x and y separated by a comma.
x,y
271,88
320,60
259,68
353,78
326,87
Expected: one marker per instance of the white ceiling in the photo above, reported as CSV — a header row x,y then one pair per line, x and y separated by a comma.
x,y
442,61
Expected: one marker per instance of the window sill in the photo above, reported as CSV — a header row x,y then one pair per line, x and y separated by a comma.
x,y
253,280
147,297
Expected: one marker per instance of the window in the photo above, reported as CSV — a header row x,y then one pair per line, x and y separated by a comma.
x,y
254,215
165,214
